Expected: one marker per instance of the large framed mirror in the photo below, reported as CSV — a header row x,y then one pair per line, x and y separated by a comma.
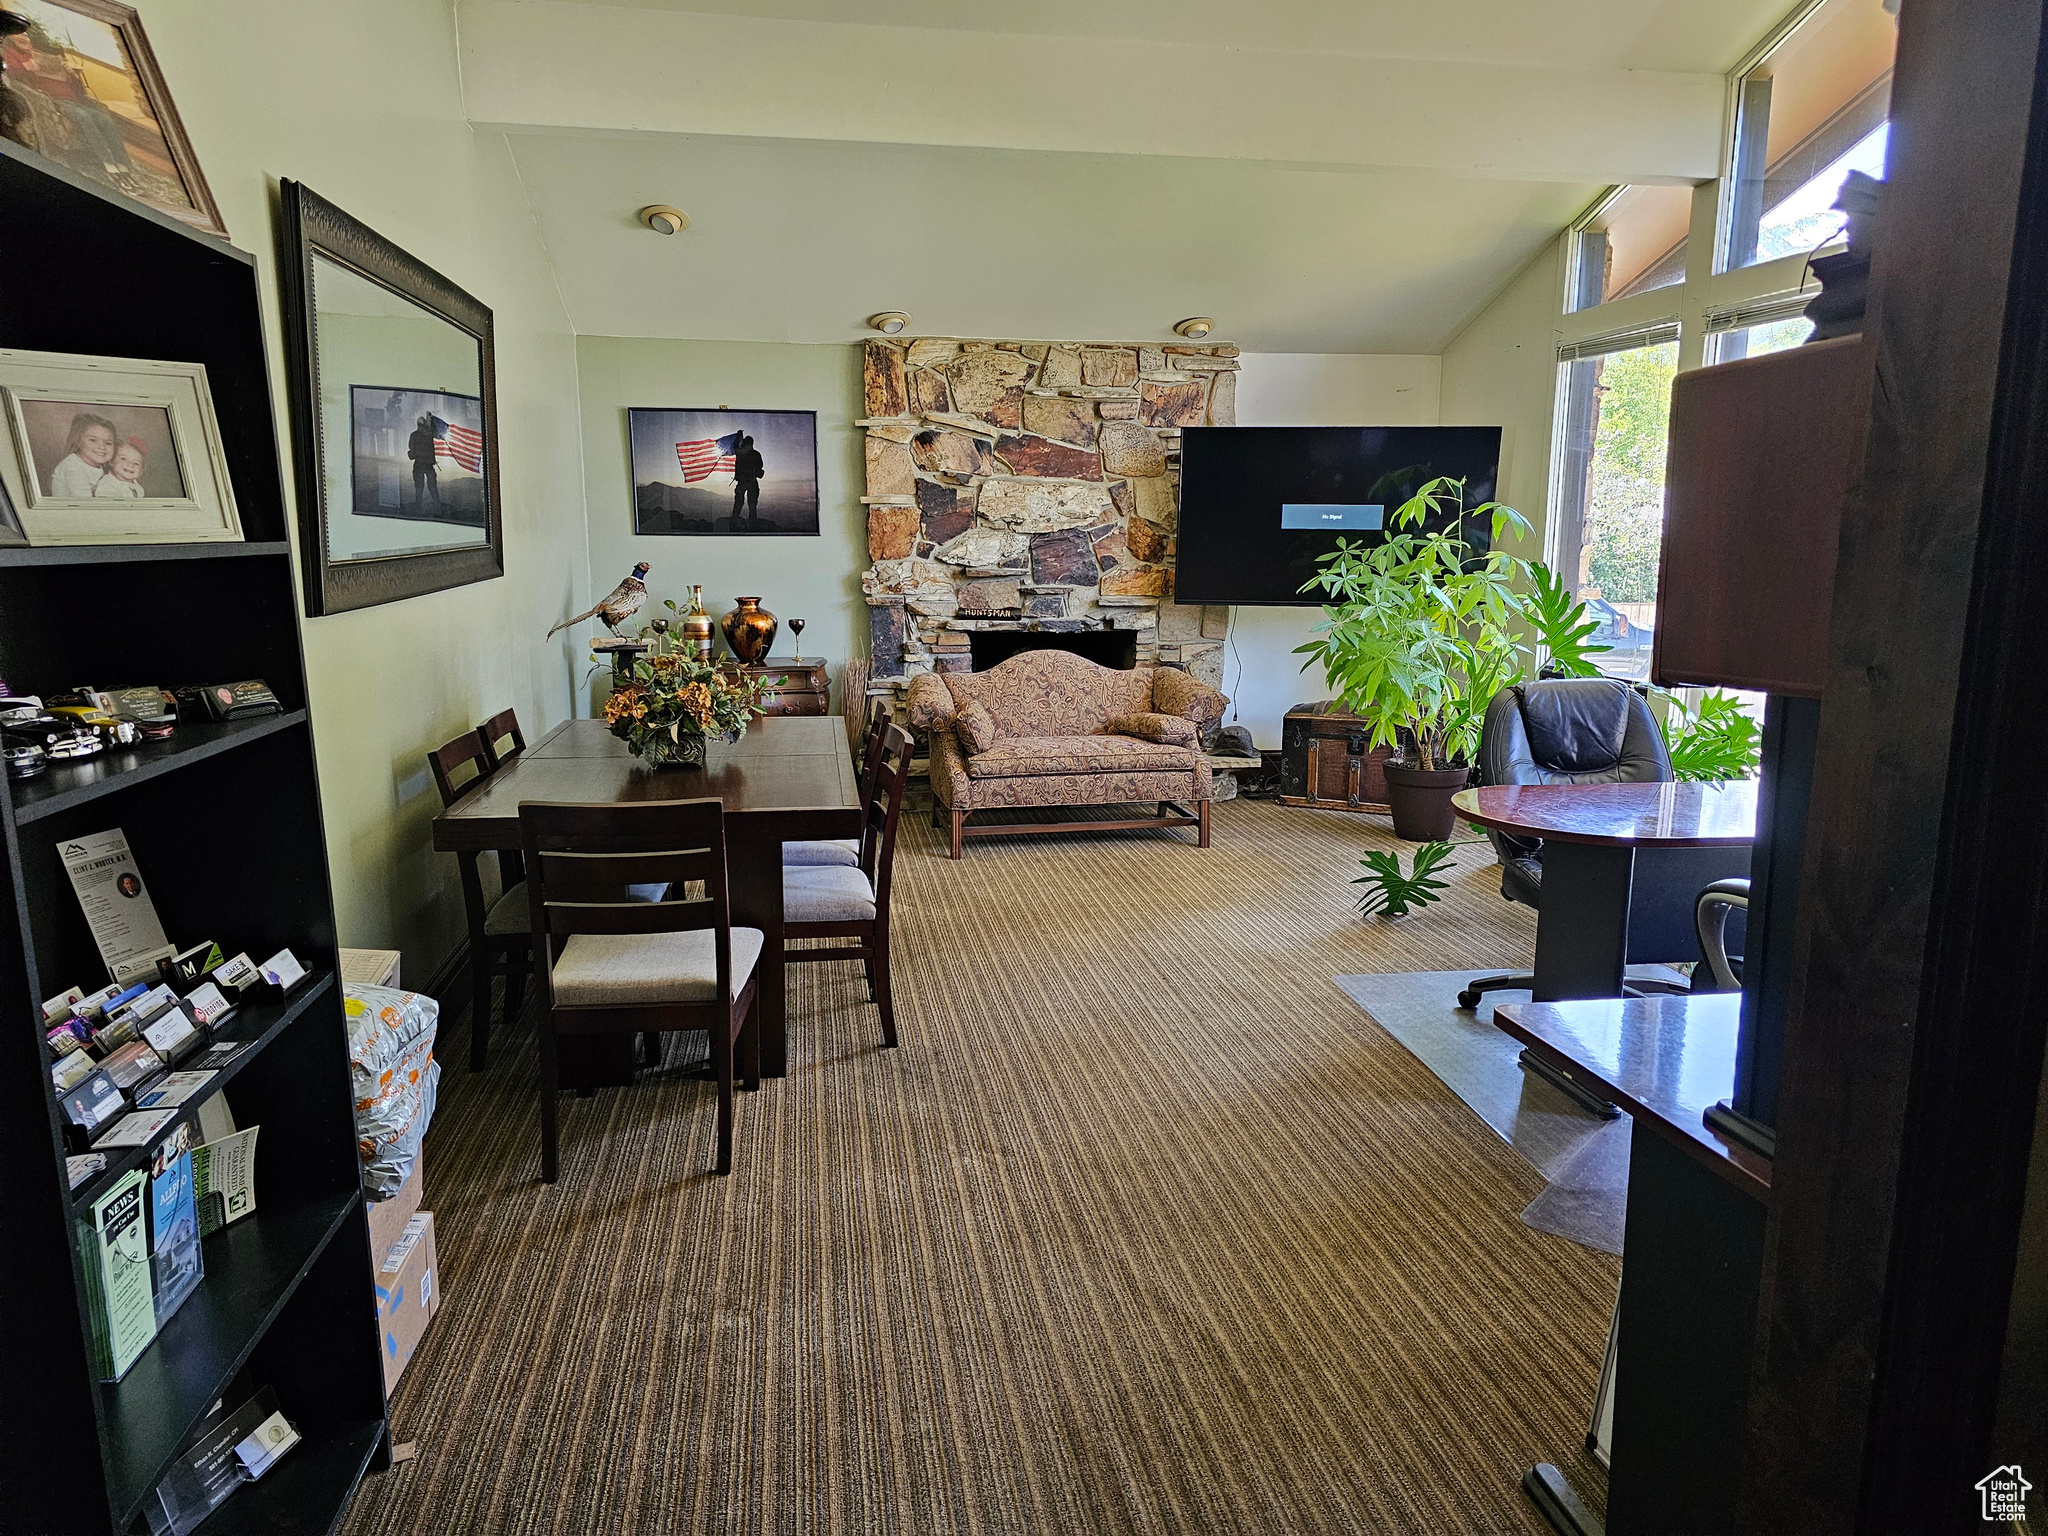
x,y
394,415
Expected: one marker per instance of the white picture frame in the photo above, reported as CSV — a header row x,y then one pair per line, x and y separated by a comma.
x,y
158,416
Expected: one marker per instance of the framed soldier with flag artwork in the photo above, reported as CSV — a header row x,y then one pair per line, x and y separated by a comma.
x,y
724,472
394,416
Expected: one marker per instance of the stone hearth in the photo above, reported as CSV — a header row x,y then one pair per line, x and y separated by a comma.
x,y
1031,486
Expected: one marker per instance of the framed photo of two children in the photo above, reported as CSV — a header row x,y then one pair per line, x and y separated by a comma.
x,y
110,450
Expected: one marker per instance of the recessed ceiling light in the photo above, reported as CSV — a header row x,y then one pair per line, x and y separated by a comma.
x,y
1195,327
889,321
664,220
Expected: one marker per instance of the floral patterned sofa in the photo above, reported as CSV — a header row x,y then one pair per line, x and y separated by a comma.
x,y
1049,728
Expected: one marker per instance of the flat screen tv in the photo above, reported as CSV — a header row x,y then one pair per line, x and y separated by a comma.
x,y
1259,504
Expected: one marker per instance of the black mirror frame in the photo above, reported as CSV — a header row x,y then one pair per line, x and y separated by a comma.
x,y
309,224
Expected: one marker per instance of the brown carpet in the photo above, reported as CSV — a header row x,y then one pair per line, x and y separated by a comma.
x,y
1145,1228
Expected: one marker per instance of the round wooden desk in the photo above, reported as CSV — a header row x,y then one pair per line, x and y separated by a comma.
x,y
1596,917
1665,815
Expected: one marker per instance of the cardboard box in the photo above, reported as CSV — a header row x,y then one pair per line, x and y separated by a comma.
x,y
370,967
388,1217
408,1296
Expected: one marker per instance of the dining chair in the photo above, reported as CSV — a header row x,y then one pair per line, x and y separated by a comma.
x,y
499,927
845,851
831,901
501,727
612,964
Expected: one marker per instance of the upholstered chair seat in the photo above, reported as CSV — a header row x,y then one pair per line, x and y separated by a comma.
x,y
612,970
509,914
827,893
838,850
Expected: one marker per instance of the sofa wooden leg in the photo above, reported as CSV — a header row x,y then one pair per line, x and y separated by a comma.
x,y
1201,823
959,836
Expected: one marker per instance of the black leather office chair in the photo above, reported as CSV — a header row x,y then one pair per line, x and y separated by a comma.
x,y
1568,730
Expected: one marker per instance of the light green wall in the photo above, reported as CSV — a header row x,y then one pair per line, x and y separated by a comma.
x,y
815,579
1501,370
362,103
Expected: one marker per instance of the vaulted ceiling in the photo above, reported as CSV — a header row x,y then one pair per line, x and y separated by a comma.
x,y
1319,175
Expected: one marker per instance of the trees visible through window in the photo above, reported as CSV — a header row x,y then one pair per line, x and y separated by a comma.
x,y
1618,416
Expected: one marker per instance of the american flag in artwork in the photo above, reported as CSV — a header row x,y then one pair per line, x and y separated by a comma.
x,y
704,457
460,445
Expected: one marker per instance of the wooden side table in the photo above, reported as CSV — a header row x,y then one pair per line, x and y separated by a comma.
x,y
794,687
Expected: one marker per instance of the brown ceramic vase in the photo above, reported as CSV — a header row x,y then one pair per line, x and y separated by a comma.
x,y
749,630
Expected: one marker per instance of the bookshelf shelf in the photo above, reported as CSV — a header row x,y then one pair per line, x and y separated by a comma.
x,y
252,1268
128,554
259,1024
298,1498
224,821
64,785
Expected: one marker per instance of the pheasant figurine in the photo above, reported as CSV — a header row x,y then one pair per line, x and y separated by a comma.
x,y
619,605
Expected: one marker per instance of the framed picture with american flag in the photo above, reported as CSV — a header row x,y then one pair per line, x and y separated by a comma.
x,y
418,455
394,415
724,472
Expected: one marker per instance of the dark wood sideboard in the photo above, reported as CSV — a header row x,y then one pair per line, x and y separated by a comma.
x,y
794,687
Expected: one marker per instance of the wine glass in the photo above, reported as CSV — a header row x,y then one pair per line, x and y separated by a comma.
x,y
796,630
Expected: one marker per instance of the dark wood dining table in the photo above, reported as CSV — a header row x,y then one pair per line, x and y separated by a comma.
x,y
789,779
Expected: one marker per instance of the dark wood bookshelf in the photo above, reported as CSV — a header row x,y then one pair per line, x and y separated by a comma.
x,y
224,820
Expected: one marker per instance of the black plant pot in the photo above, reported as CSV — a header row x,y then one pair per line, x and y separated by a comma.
x,y
1420,799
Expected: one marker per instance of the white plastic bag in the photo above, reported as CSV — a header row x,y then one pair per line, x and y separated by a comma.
x,y
391,1059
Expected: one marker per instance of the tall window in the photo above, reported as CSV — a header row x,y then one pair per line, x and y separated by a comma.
x,y
1811,111
1616,413
1632,243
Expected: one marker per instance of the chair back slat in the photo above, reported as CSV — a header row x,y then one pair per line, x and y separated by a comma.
x,y
581,858
448,760
884,810
672,916
503,740
599,875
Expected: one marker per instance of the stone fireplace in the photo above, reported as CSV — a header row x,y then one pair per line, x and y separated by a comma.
x,y
1031,487
1105,647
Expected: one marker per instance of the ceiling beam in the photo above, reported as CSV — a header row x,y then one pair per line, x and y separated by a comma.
x,y
566,66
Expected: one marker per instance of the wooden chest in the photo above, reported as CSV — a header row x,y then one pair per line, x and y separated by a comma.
x,y
794,687
1325,762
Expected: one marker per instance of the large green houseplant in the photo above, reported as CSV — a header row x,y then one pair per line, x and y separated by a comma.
x,y
1423,627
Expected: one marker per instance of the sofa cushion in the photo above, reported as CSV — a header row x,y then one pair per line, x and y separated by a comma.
x,y
975,726
1052,693
629,970
1176,693
1020,757
1170,729
827,894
